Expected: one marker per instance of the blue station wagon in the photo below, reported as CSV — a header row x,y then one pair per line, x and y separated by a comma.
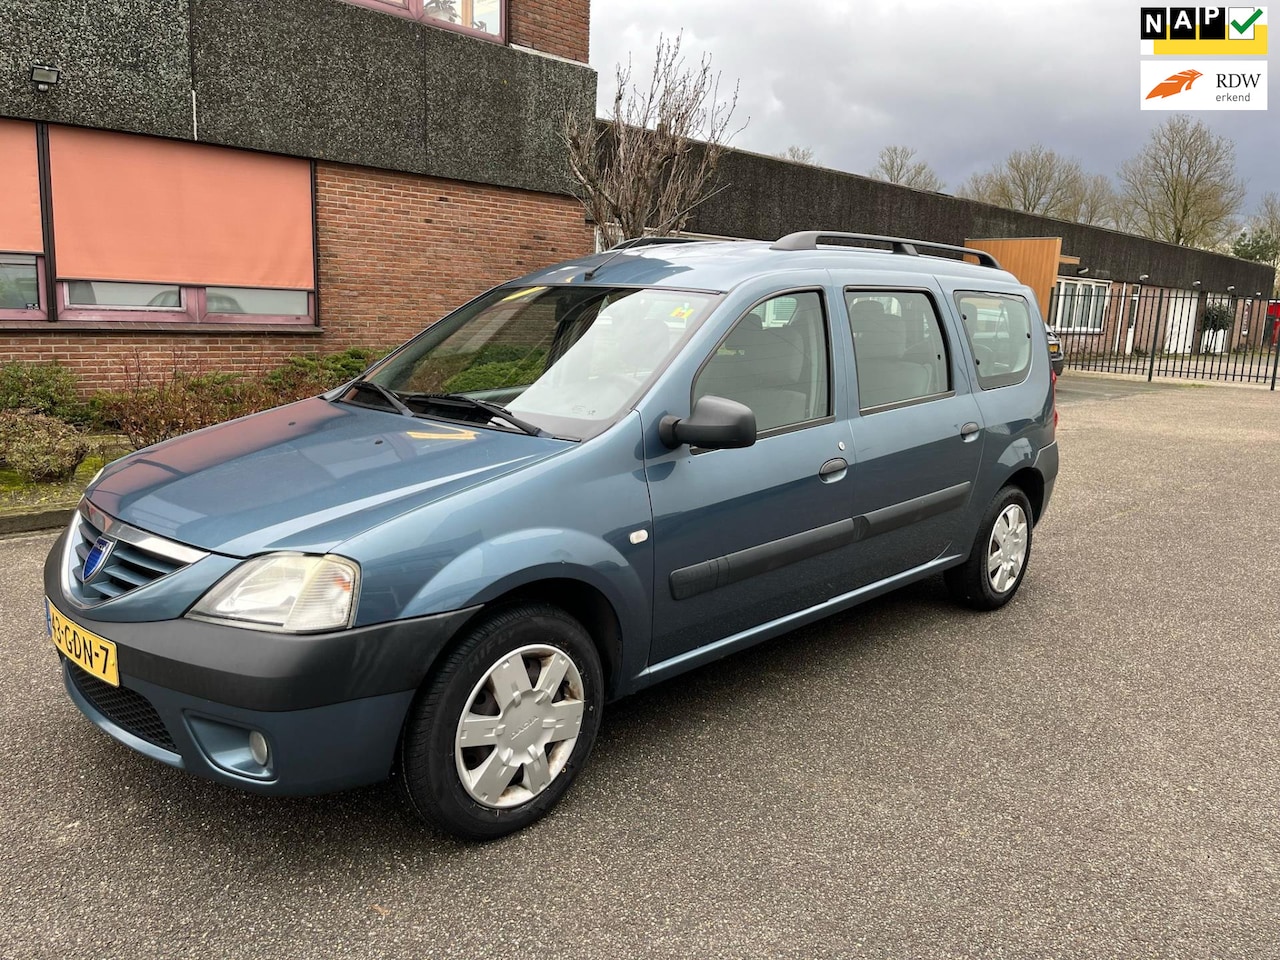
x,y
578,484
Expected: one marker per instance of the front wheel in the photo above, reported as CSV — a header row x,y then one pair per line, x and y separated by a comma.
x,y
998,560
504,724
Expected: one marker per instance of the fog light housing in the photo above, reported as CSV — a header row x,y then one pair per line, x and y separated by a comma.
x,y
258,749
232,748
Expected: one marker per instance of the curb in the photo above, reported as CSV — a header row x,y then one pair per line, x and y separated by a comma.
x,y
35,522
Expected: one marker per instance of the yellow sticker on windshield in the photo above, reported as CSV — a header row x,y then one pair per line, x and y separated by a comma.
x,y
522,293
682,313
453,434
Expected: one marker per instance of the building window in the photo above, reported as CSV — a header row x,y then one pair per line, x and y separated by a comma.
x,y
481,18
162,302
155,230
1080,306
21,286
22,280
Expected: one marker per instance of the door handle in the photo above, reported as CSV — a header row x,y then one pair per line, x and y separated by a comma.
x,y
969,431
833,470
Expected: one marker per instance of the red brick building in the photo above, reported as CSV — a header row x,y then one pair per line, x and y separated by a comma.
x,y
237,181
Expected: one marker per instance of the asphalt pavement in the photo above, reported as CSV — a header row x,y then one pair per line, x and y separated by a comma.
x,y
1090,772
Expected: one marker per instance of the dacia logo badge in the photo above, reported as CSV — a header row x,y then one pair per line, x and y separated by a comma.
x,y
96,559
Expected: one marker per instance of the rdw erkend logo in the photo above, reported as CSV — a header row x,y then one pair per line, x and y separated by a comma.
x,y
1175,84
1203,85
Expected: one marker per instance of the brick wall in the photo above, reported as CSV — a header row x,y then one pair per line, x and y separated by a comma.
x,y
104,361
398,251
552,26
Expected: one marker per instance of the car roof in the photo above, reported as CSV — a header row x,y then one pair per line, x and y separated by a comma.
x,y
722,265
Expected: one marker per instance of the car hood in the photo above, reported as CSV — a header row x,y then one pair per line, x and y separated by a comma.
x,y
304,476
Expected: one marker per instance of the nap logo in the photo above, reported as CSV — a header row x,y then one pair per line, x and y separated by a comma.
x,y
1203,85
1203,31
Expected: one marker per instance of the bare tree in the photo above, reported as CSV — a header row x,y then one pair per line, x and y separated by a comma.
x,y
657,157
1261,241
797,154
1268,216
1096,202
1182,187
1035,180
897,165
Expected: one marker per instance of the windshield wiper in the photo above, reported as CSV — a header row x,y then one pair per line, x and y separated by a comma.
x,y
494,411
396,403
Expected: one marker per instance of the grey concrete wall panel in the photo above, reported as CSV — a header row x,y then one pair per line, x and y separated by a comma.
x,y
494,114
323,79
126,63
766,198
312,78
309,78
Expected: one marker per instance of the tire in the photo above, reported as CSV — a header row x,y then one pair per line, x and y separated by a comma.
x,y
502,726
998,559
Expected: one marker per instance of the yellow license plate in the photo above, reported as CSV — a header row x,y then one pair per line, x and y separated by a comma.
x,y
91,653
1054,348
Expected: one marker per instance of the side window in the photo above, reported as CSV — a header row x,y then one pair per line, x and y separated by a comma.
x,y
898,347
999,329
774,360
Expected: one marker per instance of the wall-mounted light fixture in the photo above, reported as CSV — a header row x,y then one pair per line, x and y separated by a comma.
x,y
1082,271
1195,283
1231,288
44,76
1143,277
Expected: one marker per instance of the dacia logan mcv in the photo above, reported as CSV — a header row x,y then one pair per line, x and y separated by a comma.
x,y
576,485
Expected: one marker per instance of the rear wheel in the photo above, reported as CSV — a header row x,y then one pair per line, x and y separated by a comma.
x,y
998,560
502,727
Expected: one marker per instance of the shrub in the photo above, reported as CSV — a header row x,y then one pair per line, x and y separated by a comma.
x,y
306,375
492,376
1218,317
182,399
41,448
47,388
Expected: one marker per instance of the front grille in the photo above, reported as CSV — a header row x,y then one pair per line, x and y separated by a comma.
x,y
127,709
136,558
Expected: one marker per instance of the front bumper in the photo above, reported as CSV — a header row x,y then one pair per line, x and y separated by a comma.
x,y
330,706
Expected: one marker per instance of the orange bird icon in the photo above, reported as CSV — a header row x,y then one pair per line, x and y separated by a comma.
x,y
1175,84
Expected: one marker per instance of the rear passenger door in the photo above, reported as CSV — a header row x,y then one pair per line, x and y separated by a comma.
x,y
917,430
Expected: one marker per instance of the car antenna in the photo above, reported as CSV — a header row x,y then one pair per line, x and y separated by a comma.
x,y
591,271
631,244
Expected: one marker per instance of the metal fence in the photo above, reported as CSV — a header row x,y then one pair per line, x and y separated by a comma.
x,y
1167,333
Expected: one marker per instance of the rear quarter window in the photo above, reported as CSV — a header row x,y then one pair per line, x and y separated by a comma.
x,y
998,326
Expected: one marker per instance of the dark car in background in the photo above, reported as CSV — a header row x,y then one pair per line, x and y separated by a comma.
x,y
1056,356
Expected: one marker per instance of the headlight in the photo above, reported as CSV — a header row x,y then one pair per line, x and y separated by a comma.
x,y
284,591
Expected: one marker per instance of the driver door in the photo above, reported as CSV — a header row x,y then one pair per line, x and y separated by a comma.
x,y
744,536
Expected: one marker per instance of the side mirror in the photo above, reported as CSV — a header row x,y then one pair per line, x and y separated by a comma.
x,y
716,423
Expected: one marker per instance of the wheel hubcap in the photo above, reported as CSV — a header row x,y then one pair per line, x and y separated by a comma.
x,y
1007,550
519,727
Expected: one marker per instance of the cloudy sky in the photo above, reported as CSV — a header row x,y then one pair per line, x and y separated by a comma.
x,y
962,81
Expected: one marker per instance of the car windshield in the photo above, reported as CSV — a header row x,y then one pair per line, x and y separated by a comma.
x,y
566,359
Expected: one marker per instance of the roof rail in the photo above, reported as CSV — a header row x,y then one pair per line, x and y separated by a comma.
x,y
652,241
808,240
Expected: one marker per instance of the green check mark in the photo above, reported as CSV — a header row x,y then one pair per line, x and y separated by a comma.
x,y
1242,27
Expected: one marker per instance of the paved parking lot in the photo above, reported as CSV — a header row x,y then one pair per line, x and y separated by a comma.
x,y
1091,772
